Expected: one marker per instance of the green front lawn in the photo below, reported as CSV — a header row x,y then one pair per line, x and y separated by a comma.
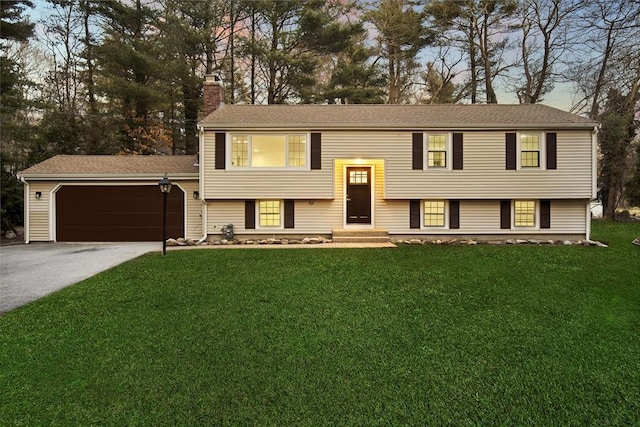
x,y
417,335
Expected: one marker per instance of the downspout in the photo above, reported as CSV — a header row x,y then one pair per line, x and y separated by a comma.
x,y
201,167
26,209
204,222
594,175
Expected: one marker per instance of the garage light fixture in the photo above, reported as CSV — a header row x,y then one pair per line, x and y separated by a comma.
x,y
196,195
38,195
165,187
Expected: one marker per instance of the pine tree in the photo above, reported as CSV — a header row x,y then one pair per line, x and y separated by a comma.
x,y
16,130
402,33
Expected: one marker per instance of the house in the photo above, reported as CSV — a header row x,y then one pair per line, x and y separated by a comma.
x,y
403,171
446,171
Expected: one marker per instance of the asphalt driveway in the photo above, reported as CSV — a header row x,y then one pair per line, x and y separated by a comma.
x,y
29,272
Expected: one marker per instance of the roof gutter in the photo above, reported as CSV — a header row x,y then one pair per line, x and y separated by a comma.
x,y
105,177
392,126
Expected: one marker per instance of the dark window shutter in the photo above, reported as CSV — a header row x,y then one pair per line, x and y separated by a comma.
x,y
316,151
511,151
220,150
454,214
250,214
545,213
417,150
505,214
552,148
414,213
289,217
457,151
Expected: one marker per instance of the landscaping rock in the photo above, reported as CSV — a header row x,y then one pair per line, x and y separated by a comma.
x,y
510,242
415,242
567,243
10,234
305,241
172,242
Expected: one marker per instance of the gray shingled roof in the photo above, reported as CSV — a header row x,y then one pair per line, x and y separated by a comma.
x,y
63,165
392,117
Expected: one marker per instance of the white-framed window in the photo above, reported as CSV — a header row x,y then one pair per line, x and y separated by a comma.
x,y
434,213
525,213
530,150
269,150
437,148
269,213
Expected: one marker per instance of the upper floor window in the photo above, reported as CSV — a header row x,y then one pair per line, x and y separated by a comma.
x,y
269,151
529,150
437,150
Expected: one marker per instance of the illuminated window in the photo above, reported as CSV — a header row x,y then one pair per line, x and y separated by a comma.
x,y
269,151
297,147
525,213
269,212
240,150
434,213
358,177
529,150
437,150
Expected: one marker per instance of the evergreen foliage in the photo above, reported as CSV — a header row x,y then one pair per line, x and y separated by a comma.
x,y
125,76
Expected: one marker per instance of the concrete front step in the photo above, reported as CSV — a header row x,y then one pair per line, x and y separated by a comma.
x,y
360,236
360,239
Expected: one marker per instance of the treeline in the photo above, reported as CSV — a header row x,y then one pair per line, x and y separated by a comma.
x,y
107,77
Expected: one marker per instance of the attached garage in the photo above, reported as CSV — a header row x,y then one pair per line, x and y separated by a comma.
x,y
116,213
111,199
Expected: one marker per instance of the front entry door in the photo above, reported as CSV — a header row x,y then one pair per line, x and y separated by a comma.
x,y
358,195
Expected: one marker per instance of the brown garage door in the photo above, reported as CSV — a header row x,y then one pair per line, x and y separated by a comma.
x,y
117,213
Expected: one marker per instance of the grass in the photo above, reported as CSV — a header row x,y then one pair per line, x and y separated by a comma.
x,y
418,335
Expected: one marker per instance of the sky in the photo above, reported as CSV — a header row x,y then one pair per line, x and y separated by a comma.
x,y
560,97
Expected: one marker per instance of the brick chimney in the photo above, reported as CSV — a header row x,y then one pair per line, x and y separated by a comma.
x,y
212,93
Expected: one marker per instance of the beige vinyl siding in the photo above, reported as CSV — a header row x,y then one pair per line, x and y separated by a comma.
x,y
193,214
484,174
39,229
483,217
311,217
270,184
569,216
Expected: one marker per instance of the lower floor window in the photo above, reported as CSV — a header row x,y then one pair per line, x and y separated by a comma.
x,y
269,211
434,213
525,213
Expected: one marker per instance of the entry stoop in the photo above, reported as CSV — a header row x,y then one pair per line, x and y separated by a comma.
x,y
360,236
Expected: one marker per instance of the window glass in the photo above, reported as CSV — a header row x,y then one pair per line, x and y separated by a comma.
x,y
268,151
270,213
240,150
525,213
530,150
297,150
437,146
357,177
434,213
